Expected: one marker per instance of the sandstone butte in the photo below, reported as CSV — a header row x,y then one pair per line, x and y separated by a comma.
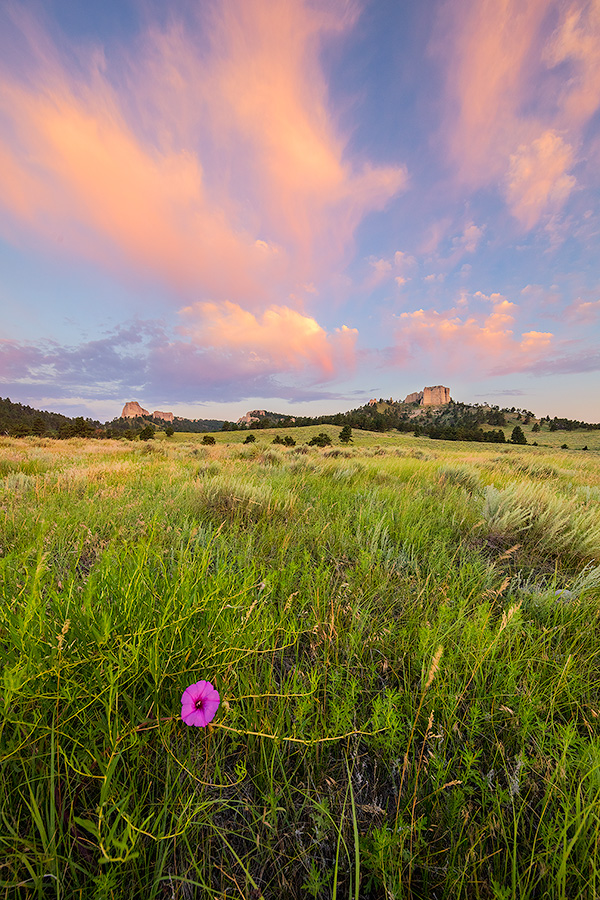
x,y
254,415
438,395
133,409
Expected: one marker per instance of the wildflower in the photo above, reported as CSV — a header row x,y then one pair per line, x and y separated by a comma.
x,y
199,704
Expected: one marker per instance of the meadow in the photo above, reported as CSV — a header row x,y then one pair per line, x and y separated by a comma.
x,y
404,633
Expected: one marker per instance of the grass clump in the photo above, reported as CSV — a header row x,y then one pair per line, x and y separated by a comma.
x,y
554,524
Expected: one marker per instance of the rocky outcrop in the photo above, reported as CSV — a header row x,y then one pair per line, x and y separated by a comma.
x,y
438,395
165,416
254,415
133,409
373,402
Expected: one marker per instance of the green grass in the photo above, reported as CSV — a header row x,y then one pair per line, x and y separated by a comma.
x,y
350,757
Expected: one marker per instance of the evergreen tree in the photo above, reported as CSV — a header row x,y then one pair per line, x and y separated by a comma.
x,y
346,434
517,436
320,440
147,433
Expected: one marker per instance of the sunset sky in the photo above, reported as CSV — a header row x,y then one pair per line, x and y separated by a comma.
x,y
226,204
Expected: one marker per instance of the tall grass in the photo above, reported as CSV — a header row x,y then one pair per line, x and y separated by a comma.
x,y
351,756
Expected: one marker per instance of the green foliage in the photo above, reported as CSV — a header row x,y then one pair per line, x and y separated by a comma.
x,y
250,439
320,440
517,436
208,439
147,433
346,434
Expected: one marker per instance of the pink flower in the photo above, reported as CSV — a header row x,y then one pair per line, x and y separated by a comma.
x,y
199,704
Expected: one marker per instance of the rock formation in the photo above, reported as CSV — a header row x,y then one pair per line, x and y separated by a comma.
x,y
165,416
438,395
133,409
255,415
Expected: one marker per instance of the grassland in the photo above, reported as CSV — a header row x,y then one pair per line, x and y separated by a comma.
x,y
549,440
405,634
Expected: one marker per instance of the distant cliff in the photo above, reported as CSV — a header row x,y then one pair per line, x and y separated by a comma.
x,y
254,415
261,415
430,396
133,409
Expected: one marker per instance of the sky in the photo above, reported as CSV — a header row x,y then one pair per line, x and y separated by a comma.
x,y
216,206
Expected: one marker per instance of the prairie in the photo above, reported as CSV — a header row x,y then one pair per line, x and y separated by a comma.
x,y
404,633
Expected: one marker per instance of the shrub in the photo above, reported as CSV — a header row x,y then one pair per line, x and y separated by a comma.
x,y
208,439
249,439
320,440
147,433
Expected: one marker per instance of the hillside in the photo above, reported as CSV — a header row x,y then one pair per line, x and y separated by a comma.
x,y
452,421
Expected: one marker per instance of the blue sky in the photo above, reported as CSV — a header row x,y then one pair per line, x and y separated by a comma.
x,y
299,206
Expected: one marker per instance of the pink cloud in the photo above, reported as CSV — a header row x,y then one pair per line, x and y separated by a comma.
x,y
537,180
278,340
519,96
468,241
583,311
467,339
381,270
575,42
209,159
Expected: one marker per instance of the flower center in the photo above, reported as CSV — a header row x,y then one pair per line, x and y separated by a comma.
x,y
199,704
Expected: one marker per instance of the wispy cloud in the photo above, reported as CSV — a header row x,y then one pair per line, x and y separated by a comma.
x,y
537,180
209,158
522,82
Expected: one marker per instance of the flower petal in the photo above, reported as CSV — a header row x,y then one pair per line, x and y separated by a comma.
x,y
209,708
187,707
196,717
189,695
